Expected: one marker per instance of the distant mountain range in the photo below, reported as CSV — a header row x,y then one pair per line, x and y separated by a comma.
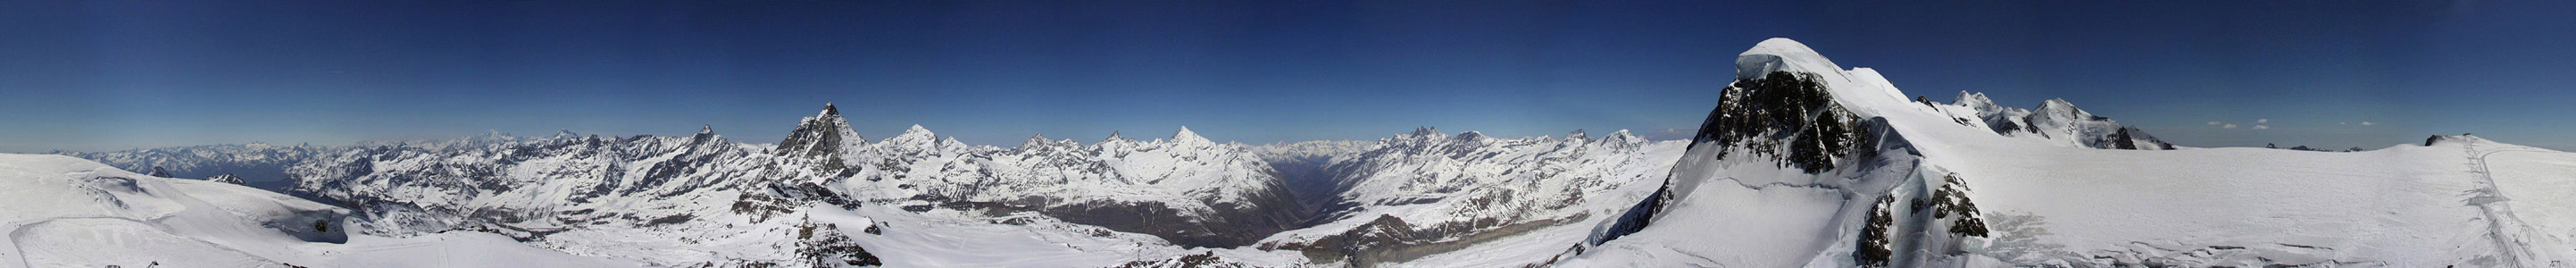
x,y
1801,163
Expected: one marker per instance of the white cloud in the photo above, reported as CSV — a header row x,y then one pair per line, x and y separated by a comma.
x,y
2262,127
2267,120
2366,123
2213,123
2229,126
2343,123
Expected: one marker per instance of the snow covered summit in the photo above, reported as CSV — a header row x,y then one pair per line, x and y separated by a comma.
x,y
1805,164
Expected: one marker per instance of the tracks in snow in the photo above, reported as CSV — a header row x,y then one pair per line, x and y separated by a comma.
x,y
2507,230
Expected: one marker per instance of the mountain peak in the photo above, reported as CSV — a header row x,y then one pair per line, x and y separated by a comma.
x,y
916,133
1426,131
1578,135
824,134
1186,136
1036,141
2060,106
1780,54
1113,136
1978,101
706,129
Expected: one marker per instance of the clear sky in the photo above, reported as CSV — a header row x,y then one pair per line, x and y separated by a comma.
x,y
120,75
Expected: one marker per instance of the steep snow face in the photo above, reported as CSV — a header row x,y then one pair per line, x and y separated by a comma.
x,y
67,212
1935,185
1421,197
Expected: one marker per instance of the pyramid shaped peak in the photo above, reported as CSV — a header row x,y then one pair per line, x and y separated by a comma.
x,y
917,133
707,129
1185,135
1036,140
828,109
1114,136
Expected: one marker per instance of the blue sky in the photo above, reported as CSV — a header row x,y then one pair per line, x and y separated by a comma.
x,y
119,75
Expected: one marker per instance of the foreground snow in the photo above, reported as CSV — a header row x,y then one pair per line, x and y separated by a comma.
x,y
68,212
2459,201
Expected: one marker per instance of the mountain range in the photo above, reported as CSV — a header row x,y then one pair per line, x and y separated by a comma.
x,y
1801,162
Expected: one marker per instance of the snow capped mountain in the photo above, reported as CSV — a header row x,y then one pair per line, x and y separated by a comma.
x,y
2055,120
1186,189
260,164
1421,197
622,197
1831,167
1801,163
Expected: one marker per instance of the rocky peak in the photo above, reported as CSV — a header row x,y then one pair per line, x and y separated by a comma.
x,y
1620,136
1035,141
227,178
1471,136
1578,135
824,134
1426,131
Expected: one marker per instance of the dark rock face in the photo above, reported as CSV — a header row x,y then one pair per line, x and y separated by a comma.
x,y
227,178
1780,111
1872,248
1952,199
2125,140
1921,223
1783,116
824,246
821,139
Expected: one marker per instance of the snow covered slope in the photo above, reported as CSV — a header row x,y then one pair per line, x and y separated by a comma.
x,y
1808,164
1429,199
67,212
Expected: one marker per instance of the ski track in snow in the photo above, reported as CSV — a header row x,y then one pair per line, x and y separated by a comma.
x,y
2503,226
